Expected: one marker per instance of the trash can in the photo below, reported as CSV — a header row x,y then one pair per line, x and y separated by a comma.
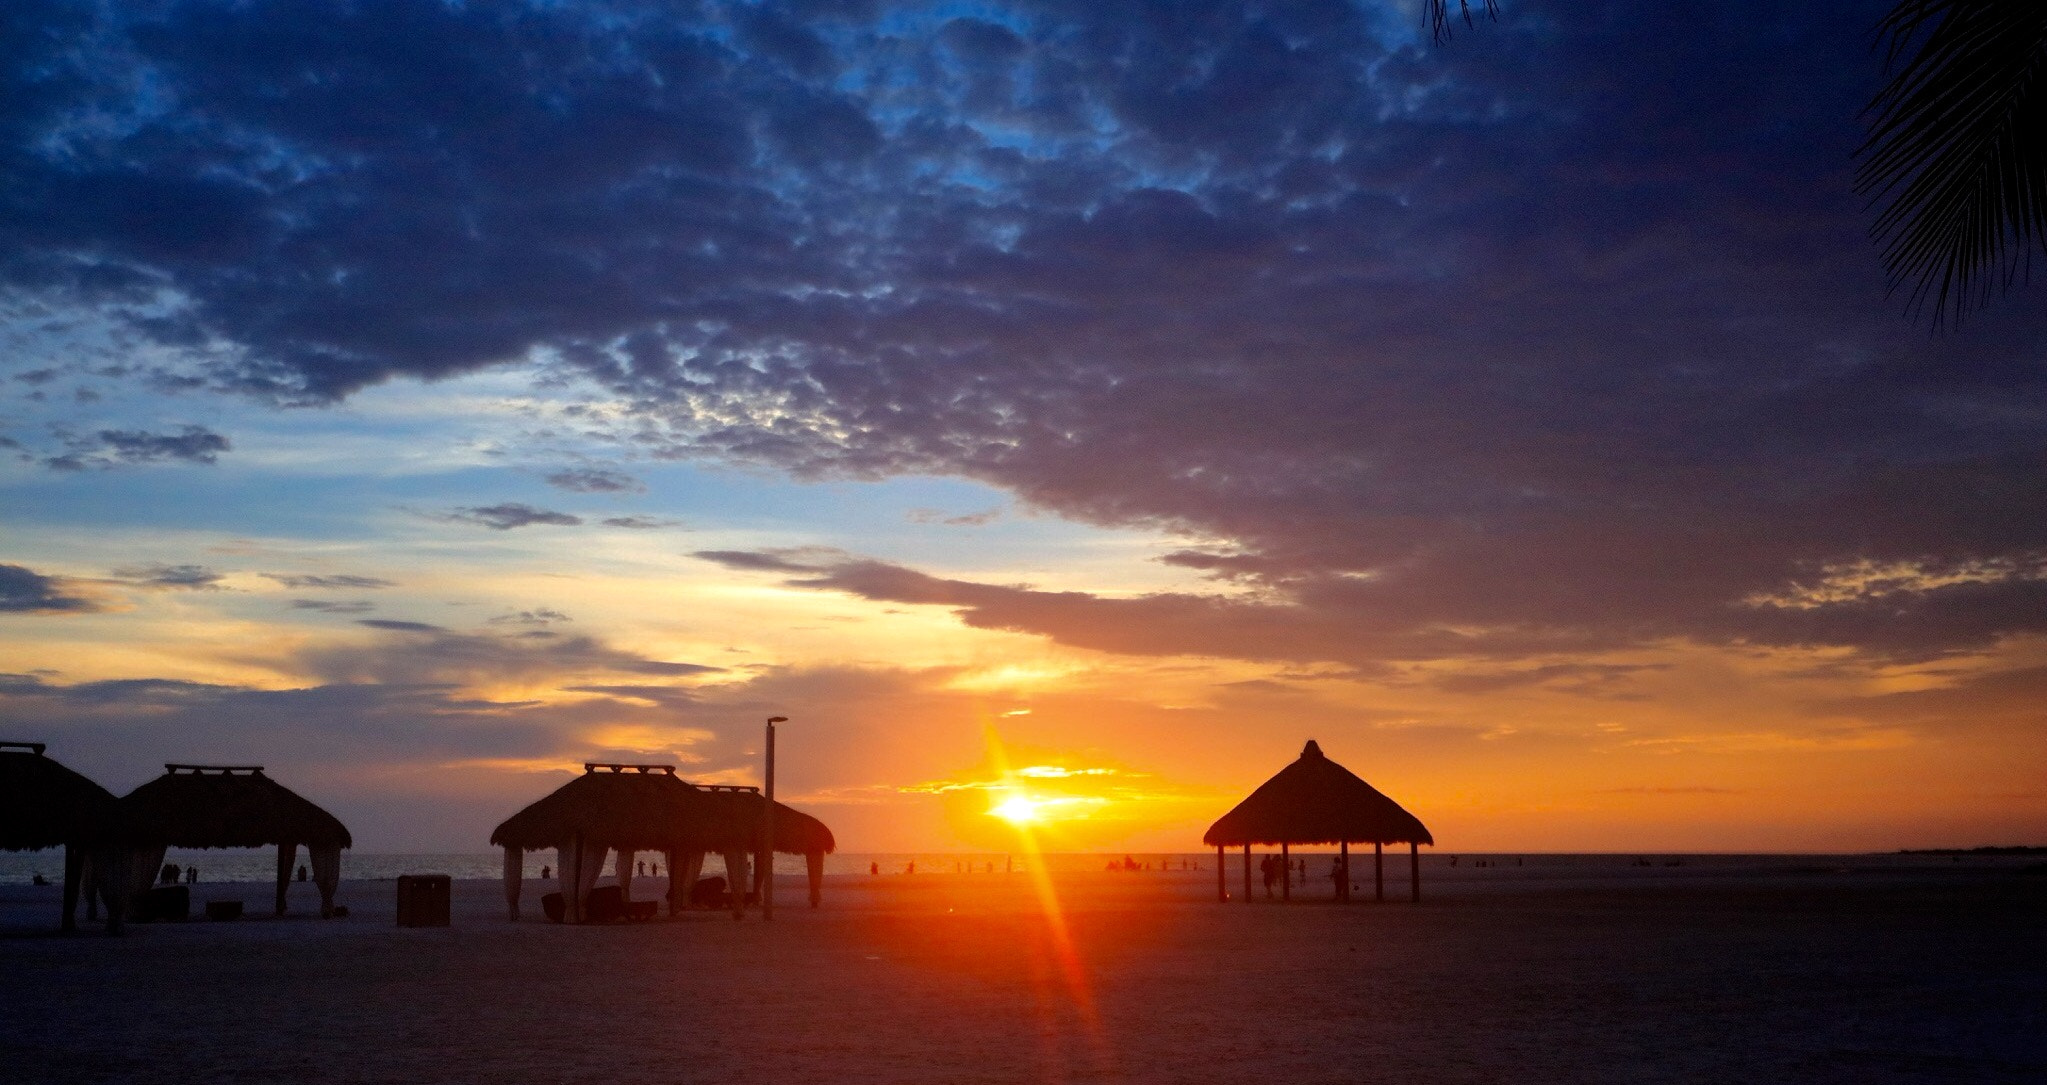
x,y
423,900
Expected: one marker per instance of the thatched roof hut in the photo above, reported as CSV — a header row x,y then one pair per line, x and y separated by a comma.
x,y
639,808
237,806
646,809
1317,801
45,805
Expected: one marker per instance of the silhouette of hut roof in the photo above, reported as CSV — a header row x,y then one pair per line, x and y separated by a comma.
x,y
1316,801
227,806
646,809
738,824
44,805
649,808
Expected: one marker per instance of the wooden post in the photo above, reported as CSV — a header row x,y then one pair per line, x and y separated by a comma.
x,y
287,854
1247,872
1222,877
1414,869
1379,870
1343,864
767,859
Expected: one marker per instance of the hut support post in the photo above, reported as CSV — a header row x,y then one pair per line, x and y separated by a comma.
x,y
736,880
326,859
74,872
1343,868
287,856
625,875
1286,872
572,899
692,869
1247,873
1379,871
813,863
1222,877
677,896
515,873
1414,870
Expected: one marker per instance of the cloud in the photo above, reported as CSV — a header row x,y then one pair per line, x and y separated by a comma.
x,y
536,616
328,606
25,591
335,582
639,523
971,519
595,480
175,577
110,448
510,515
418,653
1509,348
394,626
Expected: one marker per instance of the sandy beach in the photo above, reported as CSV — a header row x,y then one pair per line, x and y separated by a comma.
x,y
1826,973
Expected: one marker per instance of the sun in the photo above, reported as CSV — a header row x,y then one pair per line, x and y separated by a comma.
x,y
1018,810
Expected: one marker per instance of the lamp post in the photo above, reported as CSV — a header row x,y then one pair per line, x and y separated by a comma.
x,y
767,859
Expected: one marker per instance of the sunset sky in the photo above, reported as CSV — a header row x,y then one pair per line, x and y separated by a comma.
x,y
423,398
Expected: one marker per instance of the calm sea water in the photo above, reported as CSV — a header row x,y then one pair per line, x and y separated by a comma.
x,y
259,865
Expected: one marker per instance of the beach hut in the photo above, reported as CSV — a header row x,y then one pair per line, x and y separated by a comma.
x,y
1317,801
635,808
622,807
795,833
234,806
45,805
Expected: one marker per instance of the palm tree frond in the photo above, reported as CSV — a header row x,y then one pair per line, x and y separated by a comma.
x,y
1957,150
1436,13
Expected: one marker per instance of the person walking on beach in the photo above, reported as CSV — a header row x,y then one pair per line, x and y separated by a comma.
x,y
1268,868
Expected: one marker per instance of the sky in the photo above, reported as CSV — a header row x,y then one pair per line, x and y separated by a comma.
x,y
1081,402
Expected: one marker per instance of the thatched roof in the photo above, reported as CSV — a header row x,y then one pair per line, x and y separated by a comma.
x,y
44,805
1316,801
227,806
645,809
738,824
649,808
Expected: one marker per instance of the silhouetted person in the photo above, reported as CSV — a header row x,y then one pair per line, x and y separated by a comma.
x,y
874,870
656,868
546,872
1268,868
911,867
40,880
641,866
191,875
169,875
302,872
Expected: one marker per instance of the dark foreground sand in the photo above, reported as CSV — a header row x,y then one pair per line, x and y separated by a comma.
x,y
1868,976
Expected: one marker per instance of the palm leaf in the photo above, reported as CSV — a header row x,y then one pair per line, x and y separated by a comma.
x,y
1957,150
1436,13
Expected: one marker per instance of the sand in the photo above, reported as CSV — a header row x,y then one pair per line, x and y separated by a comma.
x,y
1821,975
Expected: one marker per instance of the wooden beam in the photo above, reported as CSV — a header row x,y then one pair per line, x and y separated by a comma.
x,y
1343,864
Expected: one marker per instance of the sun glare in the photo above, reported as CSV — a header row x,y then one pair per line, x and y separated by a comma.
x,y
1017,810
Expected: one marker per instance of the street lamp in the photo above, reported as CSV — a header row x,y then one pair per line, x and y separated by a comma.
x,y
767,859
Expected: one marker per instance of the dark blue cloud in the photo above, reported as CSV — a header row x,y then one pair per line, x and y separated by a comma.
x,y
25,591
509,515
113,447
1568,333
